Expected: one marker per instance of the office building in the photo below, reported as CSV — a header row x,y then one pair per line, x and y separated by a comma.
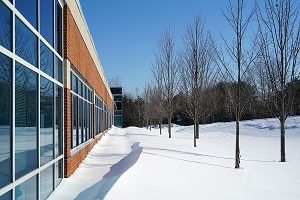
x,y
117,95
54,100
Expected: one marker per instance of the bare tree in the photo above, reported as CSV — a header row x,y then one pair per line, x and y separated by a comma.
x,y
239,60
147,96
115,82
197,70
279,46
166,70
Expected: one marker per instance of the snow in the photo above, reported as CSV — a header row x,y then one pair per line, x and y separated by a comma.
x,y
134,163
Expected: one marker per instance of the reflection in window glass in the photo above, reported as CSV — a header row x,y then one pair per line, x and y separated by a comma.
x,y
58,25
74,83
46,16
6,26
6,196
46,120
74,121
118,112
58,75
47,179
117,97
117,90
46,60
83,122
59,172
28,9
118,121
26,120
27,190
59,119
119,105
5,119
79,88
26,42
80,118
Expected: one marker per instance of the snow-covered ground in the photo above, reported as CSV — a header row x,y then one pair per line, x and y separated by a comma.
x,y
134,163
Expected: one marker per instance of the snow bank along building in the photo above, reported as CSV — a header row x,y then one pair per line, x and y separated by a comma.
x,y
55,102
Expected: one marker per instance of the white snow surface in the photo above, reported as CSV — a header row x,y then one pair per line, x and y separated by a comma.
x,y
138,164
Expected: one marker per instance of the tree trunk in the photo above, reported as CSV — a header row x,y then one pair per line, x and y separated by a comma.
x,y
282,140
150,126
237,144
169,124
195,131
160,127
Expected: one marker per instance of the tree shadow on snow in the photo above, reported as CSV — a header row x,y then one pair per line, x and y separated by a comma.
x,y
101,188
207,155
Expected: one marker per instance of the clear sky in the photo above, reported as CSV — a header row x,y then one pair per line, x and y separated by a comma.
x,y
125,32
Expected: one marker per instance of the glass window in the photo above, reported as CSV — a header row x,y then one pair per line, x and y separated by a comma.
x,y
59,120
74,83
58,25
28,9
80,119
5,119
6,196
117,90
119,112
96,120
6,26
46,17
46,60
46,120
119,105
118,121
74,121
86,119
47,178
59,172
79,87
26,42
26,120
118,98
27,190
58,74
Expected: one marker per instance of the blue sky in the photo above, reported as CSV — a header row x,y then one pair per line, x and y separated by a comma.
x,y
125,32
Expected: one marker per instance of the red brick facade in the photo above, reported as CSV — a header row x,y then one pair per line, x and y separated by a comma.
x,y
77,53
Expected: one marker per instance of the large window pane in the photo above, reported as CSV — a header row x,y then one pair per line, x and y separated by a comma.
x,y
47,178
118,98
58,25
79,87
59,120
28,9
27,190
6,26
59,172
46,23
74,120
5,120
83,121
26,120
26,42
6,196
58,67
46,60
80,118
46,120
119,105
74,83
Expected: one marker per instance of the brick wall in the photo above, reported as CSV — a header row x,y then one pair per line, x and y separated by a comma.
x,y
78,54
76,51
